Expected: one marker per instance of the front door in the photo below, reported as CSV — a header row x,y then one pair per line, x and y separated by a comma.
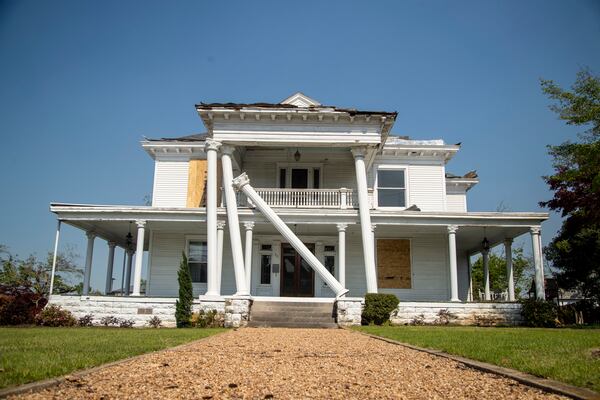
x,y
299,178
297,276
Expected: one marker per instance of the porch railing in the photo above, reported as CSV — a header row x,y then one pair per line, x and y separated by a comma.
x,y
304,198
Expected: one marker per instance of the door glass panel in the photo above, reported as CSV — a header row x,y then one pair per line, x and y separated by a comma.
x,y
305,285
299,178
316,178
288,271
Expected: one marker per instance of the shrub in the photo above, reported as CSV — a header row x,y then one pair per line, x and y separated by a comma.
x,y
54,315
109,320
418,320
155,322
183,305
126,323
19,305
539,313
86,320
581,312
378,307
207,319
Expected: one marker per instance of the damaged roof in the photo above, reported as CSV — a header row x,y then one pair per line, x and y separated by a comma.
x,y
197,137
240,106
468,175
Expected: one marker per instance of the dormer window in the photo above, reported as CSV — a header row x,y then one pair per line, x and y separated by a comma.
x,y
391,188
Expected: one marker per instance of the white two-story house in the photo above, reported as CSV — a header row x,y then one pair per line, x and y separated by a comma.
x,y
300,202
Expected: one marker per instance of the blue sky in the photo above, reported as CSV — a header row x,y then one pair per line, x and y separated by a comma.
x,y
82,81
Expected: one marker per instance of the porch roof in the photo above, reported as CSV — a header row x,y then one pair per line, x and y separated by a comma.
x,y
111,222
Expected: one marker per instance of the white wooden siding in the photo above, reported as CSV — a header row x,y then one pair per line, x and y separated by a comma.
x,y
456,202
170,183
426,187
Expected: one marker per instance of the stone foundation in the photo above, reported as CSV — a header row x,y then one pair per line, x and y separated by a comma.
x,y
138,309
237,312
349,311
484,314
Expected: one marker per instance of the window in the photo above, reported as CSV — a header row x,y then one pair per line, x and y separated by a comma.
x,y
329,260
265,269
391,188
329,249
394,264
282,173
316,178
266,247
330,264
197,254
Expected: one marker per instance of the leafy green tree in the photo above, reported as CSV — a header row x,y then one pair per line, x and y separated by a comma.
x,y
35,274
183,306
522,270
576,186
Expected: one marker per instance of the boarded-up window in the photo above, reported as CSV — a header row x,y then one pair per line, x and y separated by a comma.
x,y
393,264
196,194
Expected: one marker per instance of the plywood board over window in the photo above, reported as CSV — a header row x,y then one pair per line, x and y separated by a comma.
x,y
196,193
393,264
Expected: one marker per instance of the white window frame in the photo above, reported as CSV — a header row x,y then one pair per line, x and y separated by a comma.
x,y
335,255
194,238
260,254
300,165
391,167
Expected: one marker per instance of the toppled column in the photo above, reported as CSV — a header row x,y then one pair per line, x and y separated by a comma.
x,y
243,183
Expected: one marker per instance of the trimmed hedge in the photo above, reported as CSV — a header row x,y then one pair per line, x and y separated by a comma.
x,y
378,307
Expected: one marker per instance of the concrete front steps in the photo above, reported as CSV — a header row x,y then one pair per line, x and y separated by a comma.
x,y
287,314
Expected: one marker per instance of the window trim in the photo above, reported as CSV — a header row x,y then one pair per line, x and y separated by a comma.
x,y
298,165
193,238
261,253
391,167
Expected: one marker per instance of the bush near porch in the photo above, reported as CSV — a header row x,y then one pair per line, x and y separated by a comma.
x,y
29,354
568,355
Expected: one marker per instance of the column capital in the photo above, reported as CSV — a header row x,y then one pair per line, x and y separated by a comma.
x,y
221,225
227,149
212,144
452,229
249,225
342,227
241,181
91,235
359,152
508,241
140,223
535,230
112,244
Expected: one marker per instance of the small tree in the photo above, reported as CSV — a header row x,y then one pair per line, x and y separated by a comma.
x,y
522,271
183,306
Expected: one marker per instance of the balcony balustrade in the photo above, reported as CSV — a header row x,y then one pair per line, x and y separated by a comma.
x,y
304,198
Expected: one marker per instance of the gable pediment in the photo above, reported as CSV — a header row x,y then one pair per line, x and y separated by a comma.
x,y
299,99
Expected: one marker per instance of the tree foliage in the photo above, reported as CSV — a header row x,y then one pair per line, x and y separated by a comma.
x,y
522,270
35,274
183,306
575,251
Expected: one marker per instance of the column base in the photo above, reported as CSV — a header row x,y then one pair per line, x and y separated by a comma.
x,y
210,296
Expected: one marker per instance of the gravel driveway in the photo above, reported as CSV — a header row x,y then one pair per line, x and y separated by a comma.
x,y
265,363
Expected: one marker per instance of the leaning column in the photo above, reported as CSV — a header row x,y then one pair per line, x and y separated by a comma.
x,y
537,261
139,258
453,267
109,267
234,223
365,218
88,262
248,253
509,269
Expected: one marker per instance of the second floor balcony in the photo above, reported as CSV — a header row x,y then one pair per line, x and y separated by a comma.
x,y
341,198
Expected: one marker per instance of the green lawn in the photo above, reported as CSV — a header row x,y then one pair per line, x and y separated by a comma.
x,y
560,354
30,354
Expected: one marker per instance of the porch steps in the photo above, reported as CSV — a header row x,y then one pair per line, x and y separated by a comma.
x,y
292,314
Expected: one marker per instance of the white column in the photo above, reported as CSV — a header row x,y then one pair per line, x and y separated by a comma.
x,y
128,272
211,217
453,268
242,183
373,227
51,289
123,273
87,273
234,224
139,257
365,218
486,274
109,267
509,269
342,253
220,228
537,261
248,253
470,269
